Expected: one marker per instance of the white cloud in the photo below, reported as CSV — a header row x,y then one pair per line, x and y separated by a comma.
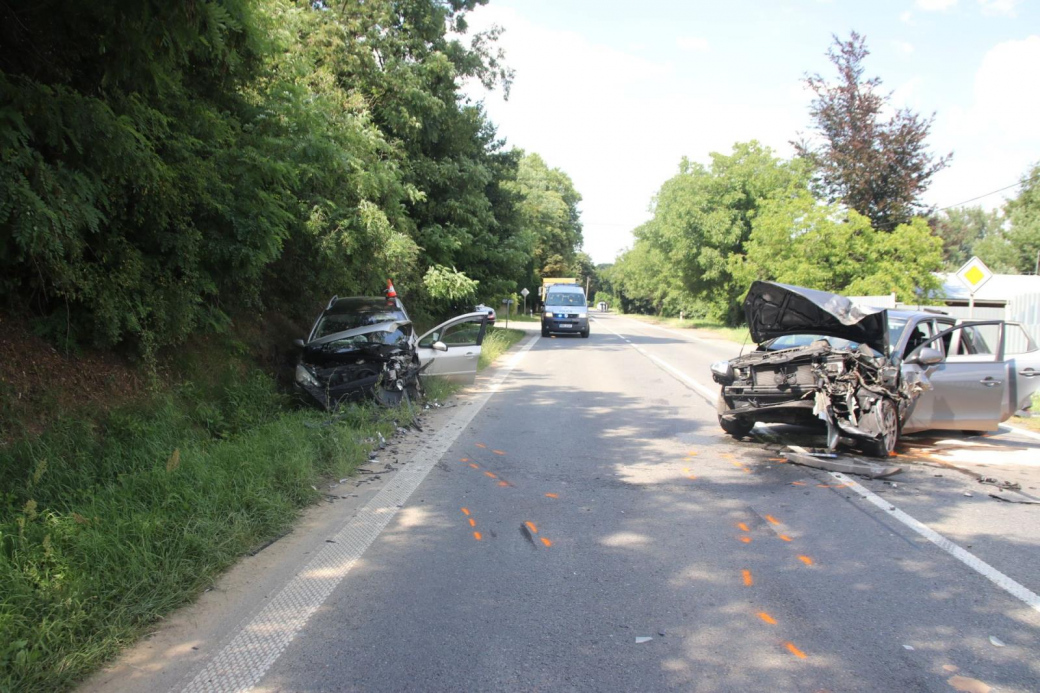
x,y
935,5
998,8
907,17
694,44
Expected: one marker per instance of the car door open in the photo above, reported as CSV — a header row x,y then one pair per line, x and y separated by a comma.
x,y
452,349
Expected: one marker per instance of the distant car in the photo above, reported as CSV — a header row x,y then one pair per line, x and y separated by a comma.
x,y
367,345
869,374
480,307
565,310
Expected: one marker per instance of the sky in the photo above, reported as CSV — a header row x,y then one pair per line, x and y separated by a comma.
x,y
616,93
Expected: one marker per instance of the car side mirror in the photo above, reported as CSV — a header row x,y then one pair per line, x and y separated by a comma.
x,y
927,356
439,346
298,343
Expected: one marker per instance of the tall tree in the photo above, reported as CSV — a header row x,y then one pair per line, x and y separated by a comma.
x,y
877,166
1024,216
961,229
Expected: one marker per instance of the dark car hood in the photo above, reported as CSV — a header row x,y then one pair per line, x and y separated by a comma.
x,y
326,351
773,310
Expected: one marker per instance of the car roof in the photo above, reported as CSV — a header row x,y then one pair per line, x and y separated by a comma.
x,y
360,304
571,288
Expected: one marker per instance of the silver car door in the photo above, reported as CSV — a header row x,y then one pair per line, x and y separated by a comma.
x,y
968,388
1022,356
461,338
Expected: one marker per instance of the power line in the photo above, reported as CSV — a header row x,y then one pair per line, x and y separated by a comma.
x,y
1015,185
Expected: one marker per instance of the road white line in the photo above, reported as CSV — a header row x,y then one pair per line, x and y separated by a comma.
x,y
1020,431
704,391
258,644
978,565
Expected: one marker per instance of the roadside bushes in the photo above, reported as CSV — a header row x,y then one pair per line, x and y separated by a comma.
x,y
104,527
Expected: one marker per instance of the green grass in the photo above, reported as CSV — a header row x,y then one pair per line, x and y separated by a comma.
x,y
500,320
716,329
496,342
107,526
1033,422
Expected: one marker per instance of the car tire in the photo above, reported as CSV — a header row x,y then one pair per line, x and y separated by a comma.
x,y
545,332
585,334
885,444
738,427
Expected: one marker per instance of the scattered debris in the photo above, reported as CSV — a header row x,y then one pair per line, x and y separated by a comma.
x,y
847,465
643,638
908,647
967,494
1024,500
996,641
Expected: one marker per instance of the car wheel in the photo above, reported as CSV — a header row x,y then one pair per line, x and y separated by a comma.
x,y
888,424
738,427
545,332
585,334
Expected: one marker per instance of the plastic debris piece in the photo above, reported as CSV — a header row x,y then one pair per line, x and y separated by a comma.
x,y
996,641
967,494
643,638
908,647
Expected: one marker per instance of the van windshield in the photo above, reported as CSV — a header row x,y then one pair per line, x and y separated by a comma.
x,y
568,298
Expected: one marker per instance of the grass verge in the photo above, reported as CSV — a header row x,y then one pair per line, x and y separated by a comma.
x,y
707,327
1032,423
106,526
496,342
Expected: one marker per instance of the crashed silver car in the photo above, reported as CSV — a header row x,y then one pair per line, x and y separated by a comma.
x,y
869,374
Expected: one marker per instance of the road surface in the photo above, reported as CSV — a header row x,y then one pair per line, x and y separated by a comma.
x,y
581,523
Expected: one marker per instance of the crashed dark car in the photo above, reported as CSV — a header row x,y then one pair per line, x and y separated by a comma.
x,y
359,346
869,374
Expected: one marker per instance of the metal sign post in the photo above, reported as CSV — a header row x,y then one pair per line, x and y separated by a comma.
x,y
973,275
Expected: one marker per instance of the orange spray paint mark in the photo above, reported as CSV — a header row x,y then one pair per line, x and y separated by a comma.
x,y
477,536
465,511
545,541
806,560
472,522
489,474
742,526
481,445
691,453
464,459
746,540
767,618
551,495
772,520
726,454
777,459
691,476
532,526
794,650
797,483
475,466
748,580
736,464
784,537
498,452
503,483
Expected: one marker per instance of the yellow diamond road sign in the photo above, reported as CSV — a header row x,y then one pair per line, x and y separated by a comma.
x,y
974,274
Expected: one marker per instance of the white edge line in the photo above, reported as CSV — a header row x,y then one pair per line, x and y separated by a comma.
x,y
1020,431
978,565
256,645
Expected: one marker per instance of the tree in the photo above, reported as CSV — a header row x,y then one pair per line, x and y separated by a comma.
x,y
961,229
876,166
1023,213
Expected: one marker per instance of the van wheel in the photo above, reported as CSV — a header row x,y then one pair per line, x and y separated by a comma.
x,y
545,332
585,334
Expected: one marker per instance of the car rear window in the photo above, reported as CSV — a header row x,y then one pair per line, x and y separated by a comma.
x,y
331,323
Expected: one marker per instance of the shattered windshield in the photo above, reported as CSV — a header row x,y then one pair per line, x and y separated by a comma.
x,y
331,323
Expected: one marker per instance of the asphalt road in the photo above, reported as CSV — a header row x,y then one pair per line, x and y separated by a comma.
x,y
590,528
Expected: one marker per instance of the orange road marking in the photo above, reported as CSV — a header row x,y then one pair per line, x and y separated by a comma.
x,y
481,445
545,541
692,476
477,536
464,459
551,495
532,526
777,459
767,618
772,520
726,454
475,466
743,527
498,452
472,522
465,511
686,470
794,650
746,540
736,464
748,580
784,537
806,560
503,483
490,475
797,483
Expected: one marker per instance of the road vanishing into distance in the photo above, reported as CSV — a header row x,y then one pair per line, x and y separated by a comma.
x,y
579,522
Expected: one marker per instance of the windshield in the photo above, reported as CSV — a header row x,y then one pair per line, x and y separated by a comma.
x,y
789,341
331,323
565,298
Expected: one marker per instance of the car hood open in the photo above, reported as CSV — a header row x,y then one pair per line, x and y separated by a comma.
x,y
773,310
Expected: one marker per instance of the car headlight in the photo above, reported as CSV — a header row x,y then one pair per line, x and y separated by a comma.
x,y
548,313
583,315
722,369
304,376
